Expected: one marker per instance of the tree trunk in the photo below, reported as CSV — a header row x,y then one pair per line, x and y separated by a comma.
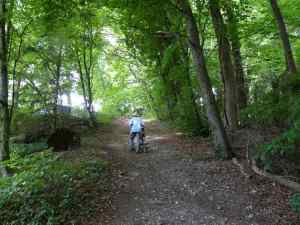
x,y
4,110
237,57
227,70
91,111
15,79
289,58
85,70
57,77
15,99
239,76
220,137
90,100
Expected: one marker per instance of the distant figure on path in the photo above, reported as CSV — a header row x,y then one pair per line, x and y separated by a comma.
x,y
137,127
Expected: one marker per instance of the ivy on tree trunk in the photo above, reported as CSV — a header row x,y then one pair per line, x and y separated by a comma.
x,y
221,142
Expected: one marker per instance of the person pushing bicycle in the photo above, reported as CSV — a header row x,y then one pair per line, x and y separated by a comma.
x,y
137,127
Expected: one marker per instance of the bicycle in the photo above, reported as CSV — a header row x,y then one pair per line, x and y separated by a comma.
x,y
136,142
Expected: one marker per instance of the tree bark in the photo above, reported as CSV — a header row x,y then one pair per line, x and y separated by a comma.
x,y
57,77
289,58
227,70
89,78
4,110
220,137
237,57
15,79
85,70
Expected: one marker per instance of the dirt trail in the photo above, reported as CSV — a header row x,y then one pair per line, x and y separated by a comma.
x,y
168,186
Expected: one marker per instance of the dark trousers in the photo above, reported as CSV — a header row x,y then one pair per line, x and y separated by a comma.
x,y
140,135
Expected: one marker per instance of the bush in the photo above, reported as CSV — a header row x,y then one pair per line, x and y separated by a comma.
x,y
21,150
279,105
267,111
284,147
295,202
80,113
24,122
105,118
48,191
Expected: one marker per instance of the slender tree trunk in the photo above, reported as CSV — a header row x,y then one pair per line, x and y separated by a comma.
x,y
15,99
91,110
220,137
237,57
89,89
194,104
57,86
87,101
289,58
16,80
56,94
239,76
85,69
227,69
81,77
4,110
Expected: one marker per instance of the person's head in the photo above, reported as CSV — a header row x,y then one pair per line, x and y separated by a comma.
x,y
136,113
140,111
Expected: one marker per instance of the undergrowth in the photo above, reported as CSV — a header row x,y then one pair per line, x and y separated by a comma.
x,y
295,202
282,109
286,145
46,190
22,150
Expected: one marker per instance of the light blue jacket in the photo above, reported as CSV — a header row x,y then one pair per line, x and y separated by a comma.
x,y
136,124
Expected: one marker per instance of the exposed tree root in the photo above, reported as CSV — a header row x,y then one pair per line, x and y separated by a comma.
x,y
279,179
242,168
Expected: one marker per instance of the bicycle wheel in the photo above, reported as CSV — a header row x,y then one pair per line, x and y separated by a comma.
x,y
130,145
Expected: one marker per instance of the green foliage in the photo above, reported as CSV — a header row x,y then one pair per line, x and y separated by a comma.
x,y
25,122
106,118
290,83
295,202
22,150
80,113
47,190
266,111
286,145
275,102
188,121
168,57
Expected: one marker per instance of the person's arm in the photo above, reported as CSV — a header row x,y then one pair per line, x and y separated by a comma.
x,y
142,123
143,128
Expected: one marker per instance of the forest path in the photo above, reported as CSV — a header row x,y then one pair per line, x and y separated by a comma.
x,y
170,186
